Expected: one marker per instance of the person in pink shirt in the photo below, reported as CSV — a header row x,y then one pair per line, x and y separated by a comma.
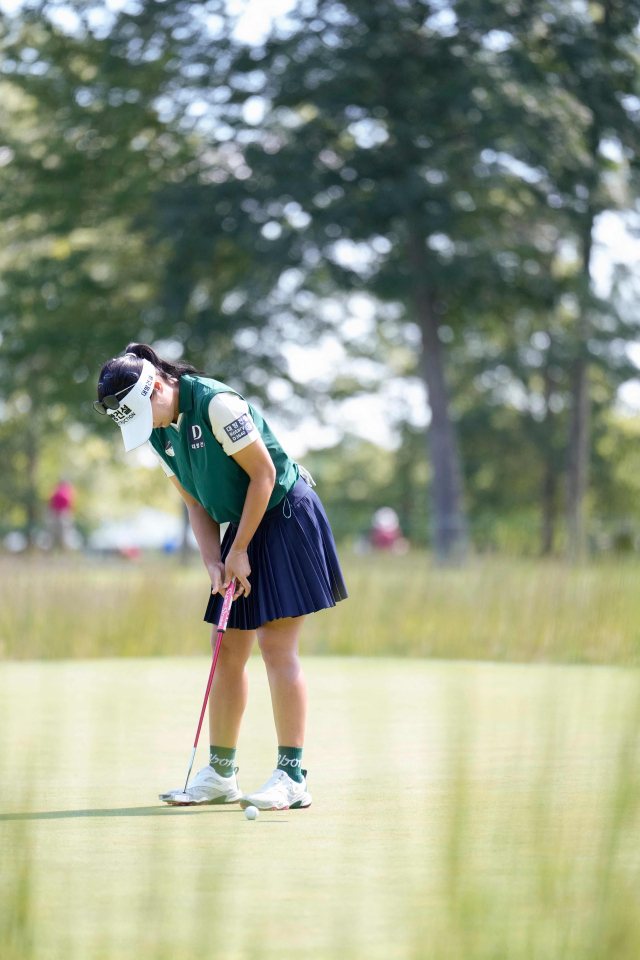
x,y
61,504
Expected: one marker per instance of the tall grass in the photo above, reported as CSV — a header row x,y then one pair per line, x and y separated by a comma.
x,y
556,886
492,609
486,867
17,922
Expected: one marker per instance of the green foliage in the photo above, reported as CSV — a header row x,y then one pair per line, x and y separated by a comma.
x,y
356,478
75,272
397,154
87,157
453,159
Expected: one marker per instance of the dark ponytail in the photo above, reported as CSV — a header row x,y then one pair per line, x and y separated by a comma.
x,y
122,372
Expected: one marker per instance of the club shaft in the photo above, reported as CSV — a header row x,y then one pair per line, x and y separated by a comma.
x,y
206,696
193,753
222,626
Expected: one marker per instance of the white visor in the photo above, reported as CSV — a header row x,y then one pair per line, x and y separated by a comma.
x,y
134,415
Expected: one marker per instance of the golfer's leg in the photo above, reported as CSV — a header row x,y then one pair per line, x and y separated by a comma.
x,y
278,642
230,686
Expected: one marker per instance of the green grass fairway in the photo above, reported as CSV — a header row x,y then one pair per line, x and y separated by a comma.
x,y
461,810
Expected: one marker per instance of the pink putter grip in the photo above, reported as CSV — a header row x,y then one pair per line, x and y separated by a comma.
x,y
226,607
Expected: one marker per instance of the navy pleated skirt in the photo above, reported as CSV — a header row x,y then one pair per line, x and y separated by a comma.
x,y
294,564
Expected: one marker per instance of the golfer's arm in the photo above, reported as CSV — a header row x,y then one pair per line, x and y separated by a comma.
x,y
255,461
205,528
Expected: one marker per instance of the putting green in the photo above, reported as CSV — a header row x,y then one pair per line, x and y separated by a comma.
x,y
446,795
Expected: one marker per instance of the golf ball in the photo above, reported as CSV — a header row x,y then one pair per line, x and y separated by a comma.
x,y
252,813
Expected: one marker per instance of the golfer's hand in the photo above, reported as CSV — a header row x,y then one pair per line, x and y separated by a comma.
x,y
237,565
216,572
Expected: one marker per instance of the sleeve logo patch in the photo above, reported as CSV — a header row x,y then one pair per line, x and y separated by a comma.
x,y
240,428
195,437
168,449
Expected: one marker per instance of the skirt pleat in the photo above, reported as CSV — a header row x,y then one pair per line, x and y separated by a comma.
x,y
294,564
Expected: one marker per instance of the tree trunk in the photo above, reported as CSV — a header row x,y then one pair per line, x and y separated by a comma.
x,y
549,486
548,509
448,522
578,445
31,490
578,461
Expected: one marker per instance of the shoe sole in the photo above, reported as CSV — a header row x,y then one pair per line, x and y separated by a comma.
x,y
218,801
298,805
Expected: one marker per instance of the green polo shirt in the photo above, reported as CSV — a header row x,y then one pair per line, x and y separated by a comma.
x,y
201,465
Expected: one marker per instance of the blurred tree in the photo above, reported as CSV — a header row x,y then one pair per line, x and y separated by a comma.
x,y
357,478
590,51
79,139
165,181
615,482
86,153
445,160
353,154
513,391
96,170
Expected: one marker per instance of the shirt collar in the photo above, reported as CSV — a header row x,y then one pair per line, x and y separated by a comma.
x,y
185,401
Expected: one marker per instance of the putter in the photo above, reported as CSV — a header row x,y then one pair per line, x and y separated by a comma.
x,y
184,798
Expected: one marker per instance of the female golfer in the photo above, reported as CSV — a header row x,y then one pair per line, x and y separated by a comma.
x,y
226,463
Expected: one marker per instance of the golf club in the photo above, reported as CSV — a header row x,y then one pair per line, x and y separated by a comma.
x,y
184,798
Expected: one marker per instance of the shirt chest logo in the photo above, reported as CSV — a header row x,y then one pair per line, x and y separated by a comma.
x,y
195,437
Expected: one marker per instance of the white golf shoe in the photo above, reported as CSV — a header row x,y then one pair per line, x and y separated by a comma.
x,y
206,787
280,792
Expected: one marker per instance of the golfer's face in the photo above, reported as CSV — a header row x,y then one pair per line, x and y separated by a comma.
x,y
162,402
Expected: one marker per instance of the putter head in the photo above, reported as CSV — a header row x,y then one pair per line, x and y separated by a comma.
x,y
181,798
175,798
